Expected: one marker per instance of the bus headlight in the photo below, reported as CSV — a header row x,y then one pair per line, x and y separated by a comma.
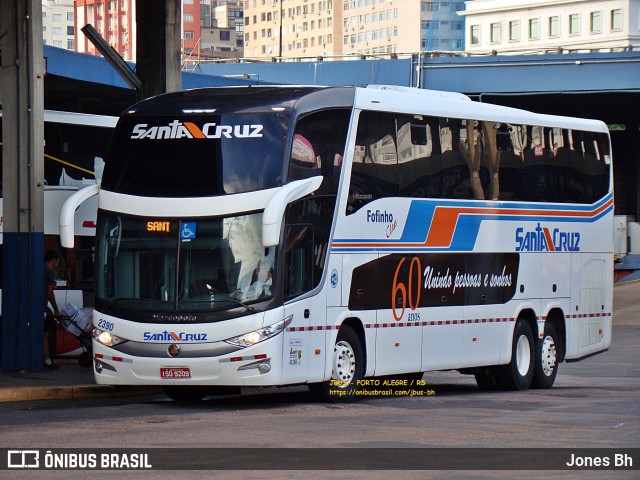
x,y
107,338
257,336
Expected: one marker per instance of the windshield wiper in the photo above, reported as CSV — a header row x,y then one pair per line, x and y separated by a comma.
x,y
219,300
128,299
237,302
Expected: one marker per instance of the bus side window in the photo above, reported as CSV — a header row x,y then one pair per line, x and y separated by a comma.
x,y
307,241
569,168
419,157
539,167
318,148
596,167
299,275
374,173
456,178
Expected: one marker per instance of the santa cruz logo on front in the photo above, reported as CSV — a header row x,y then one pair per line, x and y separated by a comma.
x,y
178,129
541,239
175,337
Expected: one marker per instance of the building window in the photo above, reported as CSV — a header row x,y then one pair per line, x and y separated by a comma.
x,y
57,30
616,20
514,31
596,22
225,35
430,6
70,16
554,26
70,30
187,17
574,24
495,32
475,34
534,29
57,17
188,35
71,45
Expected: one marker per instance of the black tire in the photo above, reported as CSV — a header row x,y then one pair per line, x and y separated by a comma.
x,y
518,373
84,360
348,369
185,394
546,367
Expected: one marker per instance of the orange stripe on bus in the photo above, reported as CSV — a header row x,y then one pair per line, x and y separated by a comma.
x,y
194,130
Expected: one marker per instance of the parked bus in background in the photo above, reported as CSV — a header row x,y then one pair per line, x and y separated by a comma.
x,y
268,236
75,147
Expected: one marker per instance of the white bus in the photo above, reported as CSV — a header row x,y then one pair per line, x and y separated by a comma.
x,y
268,236
75,145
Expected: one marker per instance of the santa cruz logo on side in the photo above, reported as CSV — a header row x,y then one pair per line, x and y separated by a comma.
x,y
178,129
541,239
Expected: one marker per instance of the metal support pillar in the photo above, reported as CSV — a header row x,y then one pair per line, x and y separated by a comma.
x,y
22,323
158,46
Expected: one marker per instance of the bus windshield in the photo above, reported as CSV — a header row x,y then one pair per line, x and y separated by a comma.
x,y
177,266
198,155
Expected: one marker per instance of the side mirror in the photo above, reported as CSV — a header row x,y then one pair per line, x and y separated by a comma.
x,y
68,211
274,211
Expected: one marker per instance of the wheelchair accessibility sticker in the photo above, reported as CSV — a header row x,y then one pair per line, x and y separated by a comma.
x,y
188,231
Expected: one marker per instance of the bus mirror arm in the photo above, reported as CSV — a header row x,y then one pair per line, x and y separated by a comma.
x,y
274,211
68,211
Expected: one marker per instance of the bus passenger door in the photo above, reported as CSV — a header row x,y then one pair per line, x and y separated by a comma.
x,y
304,337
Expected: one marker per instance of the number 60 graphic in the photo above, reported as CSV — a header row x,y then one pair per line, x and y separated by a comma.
x,y
408,292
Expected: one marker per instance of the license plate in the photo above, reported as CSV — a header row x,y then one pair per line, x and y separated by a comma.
x,y
175,372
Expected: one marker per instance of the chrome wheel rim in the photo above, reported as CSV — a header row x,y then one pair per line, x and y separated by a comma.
x,y
344,363
548,356
523,355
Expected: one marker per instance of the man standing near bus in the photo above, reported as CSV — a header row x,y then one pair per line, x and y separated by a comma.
x,y
50,272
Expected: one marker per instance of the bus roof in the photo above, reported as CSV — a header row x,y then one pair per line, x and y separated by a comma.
x,y
451,105
390,98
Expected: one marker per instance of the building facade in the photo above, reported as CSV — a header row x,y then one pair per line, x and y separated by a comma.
x,y
519,26
290,28
222,28
115,22
343,28
58,25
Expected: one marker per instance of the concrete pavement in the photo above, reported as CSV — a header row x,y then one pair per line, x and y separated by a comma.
x,y
72,381
67,382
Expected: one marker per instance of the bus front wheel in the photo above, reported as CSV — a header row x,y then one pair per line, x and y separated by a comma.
x,y
347,369
518,373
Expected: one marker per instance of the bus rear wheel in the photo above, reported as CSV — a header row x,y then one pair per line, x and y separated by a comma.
x,y
546,367
518,373
347,369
